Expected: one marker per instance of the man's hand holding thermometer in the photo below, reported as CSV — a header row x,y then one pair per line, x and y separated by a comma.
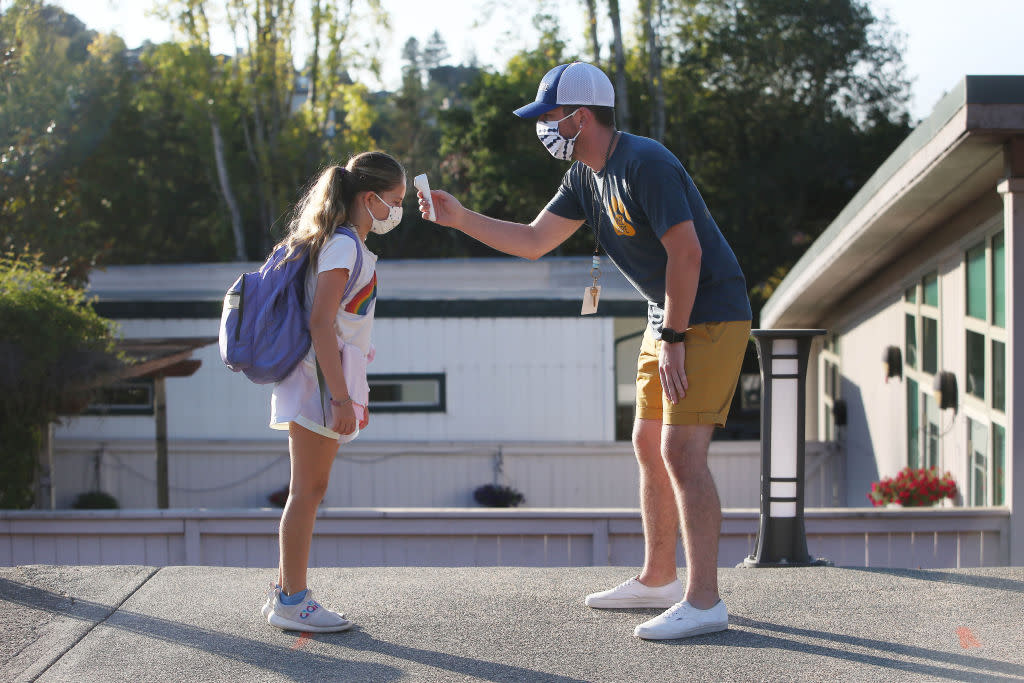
x,y
421,184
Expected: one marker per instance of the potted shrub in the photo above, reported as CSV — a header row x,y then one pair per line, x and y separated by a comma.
x,y
498,496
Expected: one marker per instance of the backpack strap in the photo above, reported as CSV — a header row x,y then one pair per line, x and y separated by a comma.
x,y
350,286
357,269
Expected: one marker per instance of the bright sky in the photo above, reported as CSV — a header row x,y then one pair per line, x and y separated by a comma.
x,y
946,39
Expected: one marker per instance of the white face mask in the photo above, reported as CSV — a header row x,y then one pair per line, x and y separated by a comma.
x,y
557,144
394,217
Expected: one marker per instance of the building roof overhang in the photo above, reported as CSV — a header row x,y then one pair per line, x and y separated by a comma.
x,y
953,157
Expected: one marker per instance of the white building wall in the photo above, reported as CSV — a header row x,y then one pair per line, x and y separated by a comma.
x,y
876,437
876,410
507,379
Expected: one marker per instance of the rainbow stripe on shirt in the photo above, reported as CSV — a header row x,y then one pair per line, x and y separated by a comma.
x,y
360,303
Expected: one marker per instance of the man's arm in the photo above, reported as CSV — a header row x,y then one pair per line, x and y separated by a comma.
x,y
531,241
682,273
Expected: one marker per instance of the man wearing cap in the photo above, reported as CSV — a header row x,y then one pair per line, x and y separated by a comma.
x,y
652,222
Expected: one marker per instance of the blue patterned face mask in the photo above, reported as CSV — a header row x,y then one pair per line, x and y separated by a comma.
x,y
557,144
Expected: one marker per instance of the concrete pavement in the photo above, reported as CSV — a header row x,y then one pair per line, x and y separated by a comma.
x,y
507,624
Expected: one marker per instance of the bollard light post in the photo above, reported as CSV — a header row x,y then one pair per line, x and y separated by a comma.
x,y
781,536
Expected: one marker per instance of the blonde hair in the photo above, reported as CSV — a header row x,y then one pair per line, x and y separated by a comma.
x,y
328,201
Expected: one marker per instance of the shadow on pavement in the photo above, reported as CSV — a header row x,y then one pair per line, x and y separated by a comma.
x,y
973,580
978,665
294,664
466,666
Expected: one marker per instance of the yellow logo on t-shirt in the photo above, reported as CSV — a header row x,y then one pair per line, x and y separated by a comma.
x,y
621,221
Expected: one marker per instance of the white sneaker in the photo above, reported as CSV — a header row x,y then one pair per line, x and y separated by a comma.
x,y
308,615
683,620
268,606
632,593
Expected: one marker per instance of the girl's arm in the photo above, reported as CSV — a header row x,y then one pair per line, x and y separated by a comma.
x,y
329,289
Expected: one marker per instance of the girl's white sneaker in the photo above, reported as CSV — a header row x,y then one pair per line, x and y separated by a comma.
x,y
268,606
308,615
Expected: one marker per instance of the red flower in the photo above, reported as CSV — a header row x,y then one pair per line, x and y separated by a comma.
x,y
923,486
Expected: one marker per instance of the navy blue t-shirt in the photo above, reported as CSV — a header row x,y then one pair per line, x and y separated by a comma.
x,y
641,193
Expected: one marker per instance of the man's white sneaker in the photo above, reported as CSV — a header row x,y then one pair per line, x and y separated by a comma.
x,y
684,620
308,615
632,593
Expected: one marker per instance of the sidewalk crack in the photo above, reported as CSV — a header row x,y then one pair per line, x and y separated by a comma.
x,y
113,611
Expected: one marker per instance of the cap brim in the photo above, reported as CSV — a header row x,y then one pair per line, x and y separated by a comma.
x,y
534,109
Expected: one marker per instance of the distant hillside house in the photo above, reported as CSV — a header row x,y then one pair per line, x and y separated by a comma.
x,y
920,268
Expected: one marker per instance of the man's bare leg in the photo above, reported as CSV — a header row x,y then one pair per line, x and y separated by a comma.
x,y
658,509
685,452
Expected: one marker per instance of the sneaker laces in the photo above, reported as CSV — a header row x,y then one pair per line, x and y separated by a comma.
x,y
676,611
625,583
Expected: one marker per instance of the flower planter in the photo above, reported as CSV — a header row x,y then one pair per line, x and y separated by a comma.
x,y
922,487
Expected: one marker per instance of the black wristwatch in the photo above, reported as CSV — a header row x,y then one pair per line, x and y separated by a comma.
x,y
671,336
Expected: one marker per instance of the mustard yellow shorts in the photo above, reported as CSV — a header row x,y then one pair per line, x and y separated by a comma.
x,y
714,357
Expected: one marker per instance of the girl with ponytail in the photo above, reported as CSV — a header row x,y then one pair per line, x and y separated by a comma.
x,y
323,402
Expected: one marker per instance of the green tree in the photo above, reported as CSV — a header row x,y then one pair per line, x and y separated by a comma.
x,y
781,109
491,160
53,350
256,98
51,119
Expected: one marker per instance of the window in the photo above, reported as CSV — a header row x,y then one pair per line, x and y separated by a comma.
x,y
977,452
131,397
910,342
975,374
913,425
986,466
930,324
998,465
932,431
830,387
413,393
976,291
998,281
628,334
985,342
921,346
998,376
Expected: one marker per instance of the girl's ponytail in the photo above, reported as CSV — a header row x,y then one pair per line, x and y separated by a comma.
x,y
327,202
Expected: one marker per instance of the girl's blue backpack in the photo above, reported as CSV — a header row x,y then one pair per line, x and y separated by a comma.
x,y
264,326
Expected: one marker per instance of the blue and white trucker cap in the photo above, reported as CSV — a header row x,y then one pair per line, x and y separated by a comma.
x,y
576,83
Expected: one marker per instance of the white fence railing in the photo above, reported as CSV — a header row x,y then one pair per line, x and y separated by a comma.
x,y
236,474
855,537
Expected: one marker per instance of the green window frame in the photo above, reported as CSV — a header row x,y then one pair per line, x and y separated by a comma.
x,y
913,425
985,380
999,280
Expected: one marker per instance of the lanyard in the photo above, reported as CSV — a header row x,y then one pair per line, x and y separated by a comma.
x,y
595,262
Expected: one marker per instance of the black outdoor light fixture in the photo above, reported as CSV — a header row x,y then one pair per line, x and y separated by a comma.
x,y
892,360
781,535
839,412
945,390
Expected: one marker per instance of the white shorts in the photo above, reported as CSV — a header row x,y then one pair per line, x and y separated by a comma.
x,y
297,399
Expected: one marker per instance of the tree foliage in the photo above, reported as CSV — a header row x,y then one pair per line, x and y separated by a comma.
x,y
780,109
53,347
